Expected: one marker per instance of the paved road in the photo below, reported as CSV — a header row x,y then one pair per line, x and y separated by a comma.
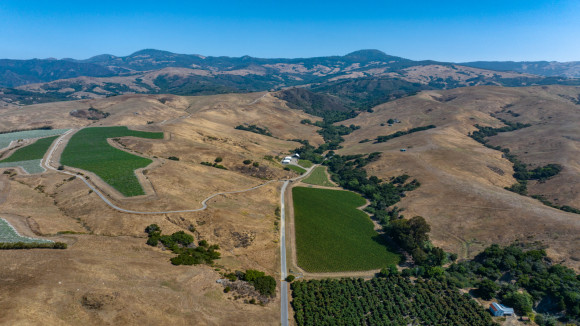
x,y
283,268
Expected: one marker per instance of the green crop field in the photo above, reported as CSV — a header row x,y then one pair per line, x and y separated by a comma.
x,y
296,168
332,235
34,151
318,177
29,157
9,235
88,150
305,163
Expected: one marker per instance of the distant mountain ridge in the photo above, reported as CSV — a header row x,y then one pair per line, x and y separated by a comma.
x,y
361,79
543,68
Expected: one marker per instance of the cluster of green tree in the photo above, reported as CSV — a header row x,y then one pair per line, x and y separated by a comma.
x,y
25,129
331,134
366,93
391,300
181,244
96,114
348,172
521,276
564,208
382,139
215,163
33,245
412,236
255,129
484,132
330,108
264,284
521,172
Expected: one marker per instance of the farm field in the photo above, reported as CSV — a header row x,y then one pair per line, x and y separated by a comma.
x,y
88,150
332,235
6,139
305,163
318,177
296,169
384,301
9,235
34,151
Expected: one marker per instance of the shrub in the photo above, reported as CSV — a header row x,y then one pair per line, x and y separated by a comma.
x,y
173,158
256,164
290,278
218,159
246,162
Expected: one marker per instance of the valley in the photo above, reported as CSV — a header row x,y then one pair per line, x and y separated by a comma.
x,y
107,272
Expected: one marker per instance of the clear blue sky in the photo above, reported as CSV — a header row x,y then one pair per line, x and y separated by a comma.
x,y
439,30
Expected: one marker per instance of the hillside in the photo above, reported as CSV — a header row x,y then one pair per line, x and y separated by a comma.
x,y
462,194
542,68
363,78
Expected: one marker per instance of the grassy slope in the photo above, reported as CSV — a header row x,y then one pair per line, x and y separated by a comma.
x,y
88,150
318,177
332,235
296,168
305,163
34,151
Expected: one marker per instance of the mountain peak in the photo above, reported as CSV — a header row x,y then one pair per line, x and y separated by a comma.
x,y
152,53
371,55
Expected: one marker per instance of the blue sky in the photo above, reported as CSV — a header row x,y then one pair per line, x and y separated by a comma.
x,y
453,31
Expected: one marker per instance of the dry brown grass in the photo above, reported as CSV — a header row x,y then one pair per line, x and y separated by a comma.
x,y
462,194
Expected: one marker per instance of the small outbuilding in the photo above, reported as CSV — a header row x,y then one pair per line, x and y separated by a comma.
x,y
500,310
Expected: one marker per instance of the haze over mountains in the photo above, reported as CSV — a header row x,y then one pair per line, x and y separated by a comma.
x,y
360,79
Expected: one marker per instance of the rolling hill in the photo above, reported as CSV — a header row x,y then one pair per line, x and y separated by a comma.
x,y
363,78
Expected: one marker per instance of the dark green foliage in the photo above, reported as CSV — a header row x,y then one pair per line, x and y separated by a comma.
x,y
332,134
266,285
246,162
521,302
487,289
152,228
530,269
263,283
290,278
218,159
256,164
391,300
173,158
521,172
368,92
180,243
255,129
330,108
32,245
215,165
348,172
382,139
